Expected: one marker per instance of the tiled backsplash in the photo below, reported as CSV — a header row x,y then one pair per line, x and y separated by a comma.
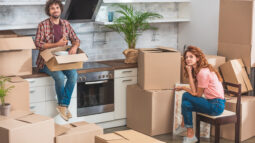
x,y
98,42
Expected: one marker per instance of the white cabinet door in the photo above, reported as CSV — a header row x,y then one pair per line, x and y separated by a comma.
x,y
132,72
38,108
52,96
37,94
120,85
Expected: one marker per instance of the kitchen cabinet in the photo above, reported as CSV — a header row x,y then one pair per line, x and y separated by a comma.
x,y
122,78
43,98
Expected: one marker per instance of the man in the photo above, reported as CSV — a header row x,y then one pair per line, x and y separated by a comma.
x,y
55,32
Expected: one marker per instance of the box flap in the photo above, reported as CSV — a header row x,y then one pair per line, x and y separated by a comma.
x,y
77,124
157,50
19,113
11,124
17,79
80,127
49,53
60,130
135,136
16,43
109,137
71,58
34,118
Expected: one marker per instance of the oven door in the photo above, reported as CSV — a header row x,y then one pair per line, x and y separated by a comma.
x,y
95,97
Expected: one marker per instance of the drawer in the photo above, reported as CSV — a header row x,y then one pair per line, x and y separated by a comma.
x,y
38,108
125,73
37,94
42,81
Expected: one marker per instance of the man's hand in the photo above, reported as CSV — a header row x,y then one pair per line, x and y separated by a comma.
x,y
62,42
73,50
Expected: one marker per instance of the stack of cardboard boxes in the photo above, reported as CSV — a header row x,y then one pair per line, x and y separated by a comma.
x,y
150,103
23,126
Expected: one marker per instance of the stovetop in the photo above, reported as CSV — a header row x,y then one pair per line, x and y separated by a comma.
x,y
93,65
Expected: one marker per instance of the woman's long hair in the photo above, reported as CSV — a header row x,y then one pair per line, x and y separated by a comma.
x,y
201,63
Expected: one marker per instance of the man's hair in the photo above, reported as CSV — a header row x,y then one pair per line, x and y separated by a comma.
x,y
51,2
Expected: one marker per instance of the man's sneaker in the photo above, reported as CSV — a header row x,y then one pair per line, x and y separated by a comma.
x,y
180,130
63,112
190,140
69,114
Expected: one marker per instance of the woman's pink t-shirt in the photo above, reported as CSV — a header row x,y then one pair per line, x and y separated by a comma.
x,y
209,81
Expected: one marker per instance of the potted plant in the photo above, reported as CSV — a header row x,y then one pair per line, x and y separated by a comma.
x,y
131,23
5,107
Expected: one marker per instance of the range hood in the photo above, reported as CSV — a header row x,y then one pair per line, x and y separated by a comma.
x,y
81,10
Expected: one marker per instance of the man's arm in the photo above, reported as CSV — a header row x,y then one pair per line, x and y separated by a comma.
x,y
74,40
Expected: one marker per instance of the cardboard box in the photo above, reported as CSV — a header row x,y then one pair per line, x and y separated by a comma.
x,y
66,62
214,60
158,68
234,71
247,127
15,54
79,132
127,136
27,128
236,30
150,111
18,97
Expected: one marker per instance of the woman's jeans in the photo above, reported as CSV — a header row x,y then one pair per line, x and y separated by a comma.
x,y
213,107
64,91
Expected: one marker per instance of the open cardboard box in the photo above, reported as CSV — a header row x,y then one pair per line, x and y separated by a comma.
x,y
15,54
65,62
78,132
127,136
26,127
158,68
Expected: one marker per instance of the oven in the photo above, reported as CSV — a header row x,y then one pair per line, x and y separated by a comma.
x,y
95,93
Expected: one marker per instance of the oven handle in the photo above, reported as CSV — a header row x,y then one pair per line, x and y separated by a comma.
x,y
96,82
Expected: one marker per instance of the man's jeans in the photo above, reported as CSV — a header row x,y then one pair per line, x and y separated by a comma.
x,y
64,91
213,107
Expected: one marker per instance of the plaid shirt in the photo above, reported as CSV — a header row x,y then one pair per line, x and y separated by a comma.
x,y
45,35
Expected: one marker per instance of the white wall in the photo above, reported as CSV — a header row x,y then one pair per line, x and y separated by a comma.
x,y
202,31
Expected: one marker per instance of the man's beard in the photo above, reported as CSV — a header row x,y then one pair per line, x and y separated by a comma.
x,y
55,17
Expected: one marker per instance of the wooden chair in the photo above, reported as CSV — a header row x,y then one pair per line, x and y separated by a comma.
x,y
225,118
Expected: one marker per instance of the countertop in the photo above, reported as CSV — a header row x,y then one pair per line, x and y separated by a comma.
x,y
114,65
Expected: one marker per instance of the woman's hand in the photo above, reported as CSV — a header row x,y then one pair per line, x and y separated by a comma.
x,y
179,88
189,69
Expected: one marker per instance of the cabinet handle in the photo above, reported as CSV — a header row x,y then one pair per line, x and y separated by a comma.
x,y
32,81
128,80
126,71
32,91
32,107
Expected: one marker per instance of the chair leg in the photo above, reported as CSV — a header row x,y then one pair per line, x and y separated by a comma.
x,y
237,132
198,129
217,133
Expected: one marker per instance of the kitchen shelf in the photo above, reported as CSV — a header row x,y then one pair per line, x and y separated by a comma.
x,y
154,21
20,3
17,27
143,1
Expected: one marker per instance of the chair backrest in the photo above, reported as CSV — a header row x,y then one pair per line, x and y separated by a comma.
x,y
235,93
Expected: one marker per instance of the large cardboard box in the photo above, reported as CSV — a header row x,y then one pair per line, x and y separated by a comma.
x,y
127,136
236,30
27,128
247,126
214,60
18,97
15,54
234,71
65,62
78,132
158,68
150,111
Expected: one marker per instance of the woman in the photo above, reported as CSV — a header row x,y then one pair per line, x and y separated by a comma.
x,y
203,79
